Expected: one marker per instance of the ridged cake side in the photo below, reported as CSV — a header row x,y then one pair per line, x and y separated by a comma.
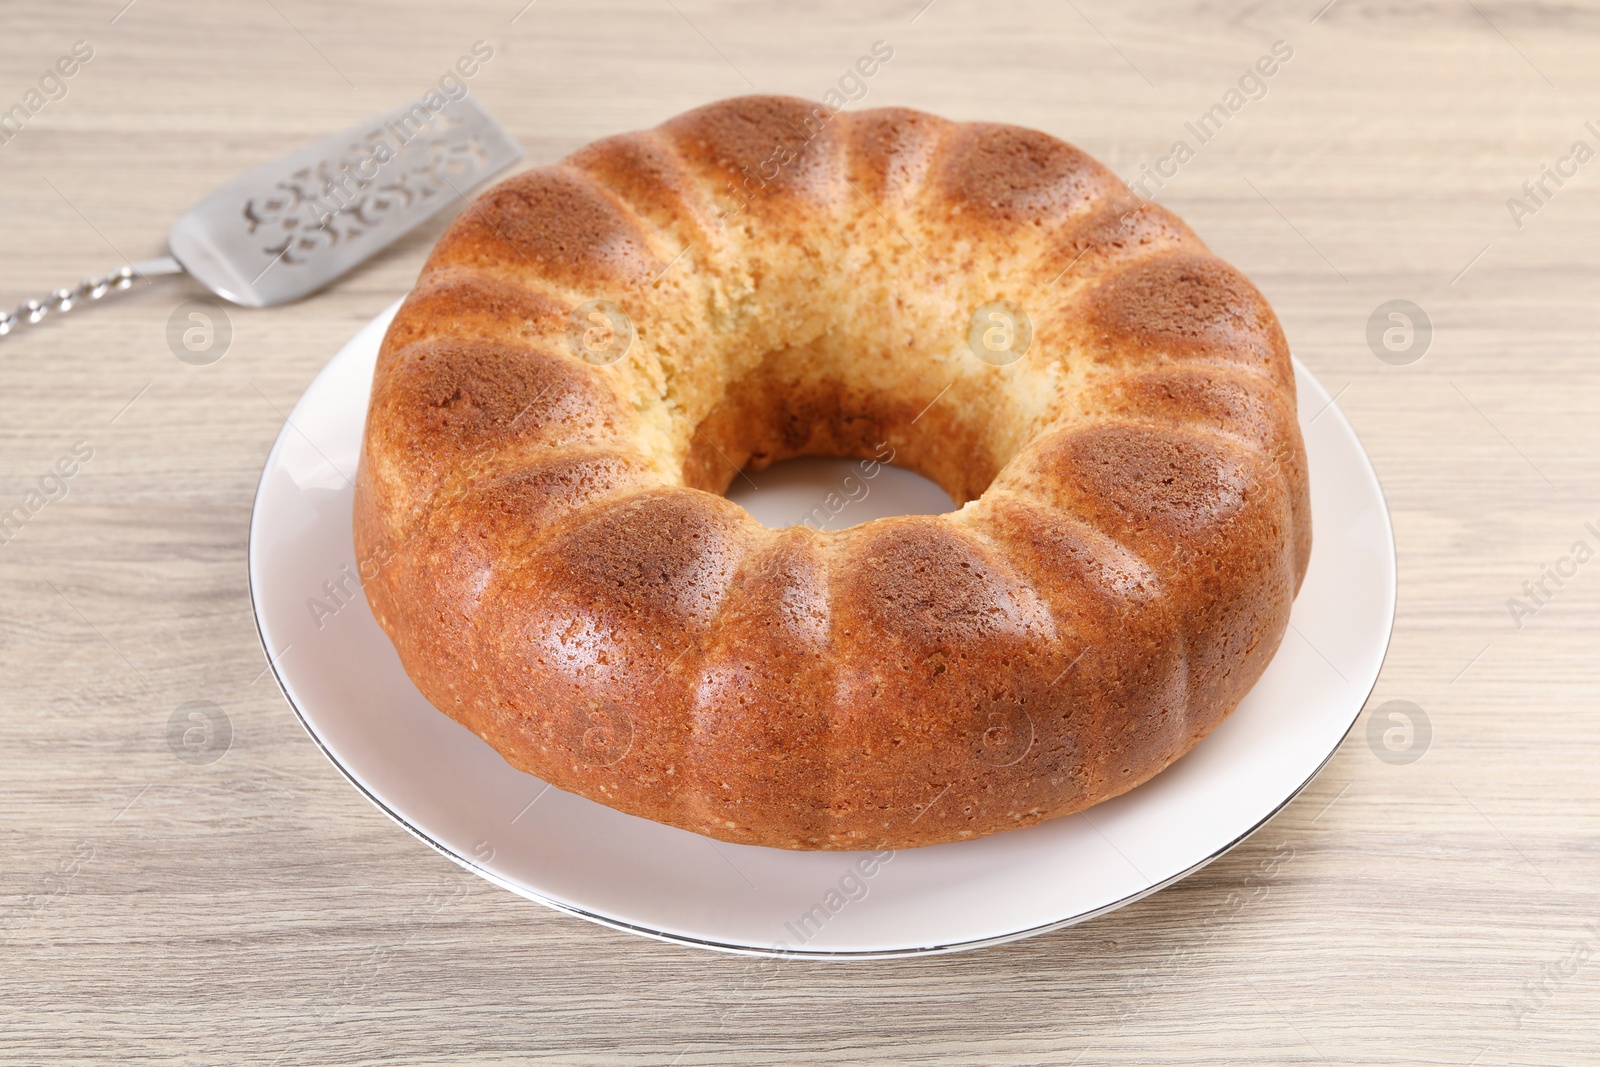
x,y
546,542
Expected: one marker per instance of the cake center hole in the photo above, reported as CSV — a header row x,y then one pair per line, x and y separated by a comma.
x,y
833,494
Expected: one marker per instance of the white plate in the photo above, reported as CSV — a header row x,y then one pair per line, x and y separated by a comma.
x,y
442,783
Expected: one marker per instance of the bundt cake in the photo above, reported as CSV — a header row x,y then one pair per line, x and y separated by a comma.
x,y
595,349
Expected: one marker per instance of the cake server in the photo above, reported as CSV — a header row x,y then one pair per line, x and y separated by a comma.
x,y
291,226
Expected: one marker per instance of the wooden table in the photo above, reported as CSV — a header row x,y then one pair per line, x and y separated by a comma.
x,y
258,909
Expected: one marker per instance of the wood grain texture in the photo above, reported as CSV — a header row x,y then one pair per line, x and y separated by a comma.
x,y
258,910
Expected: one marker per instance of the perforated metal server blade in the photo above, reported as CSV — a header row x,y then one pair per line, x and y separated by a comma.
x,y
291,226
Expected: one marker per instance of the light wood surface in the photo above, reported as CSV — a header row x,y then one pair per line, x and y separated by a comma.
x,y
258,910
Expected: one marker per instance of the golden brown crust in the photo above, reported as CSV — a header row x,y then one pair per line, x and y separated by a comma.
x,y
1186,306
551,224
543,538
1007,177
